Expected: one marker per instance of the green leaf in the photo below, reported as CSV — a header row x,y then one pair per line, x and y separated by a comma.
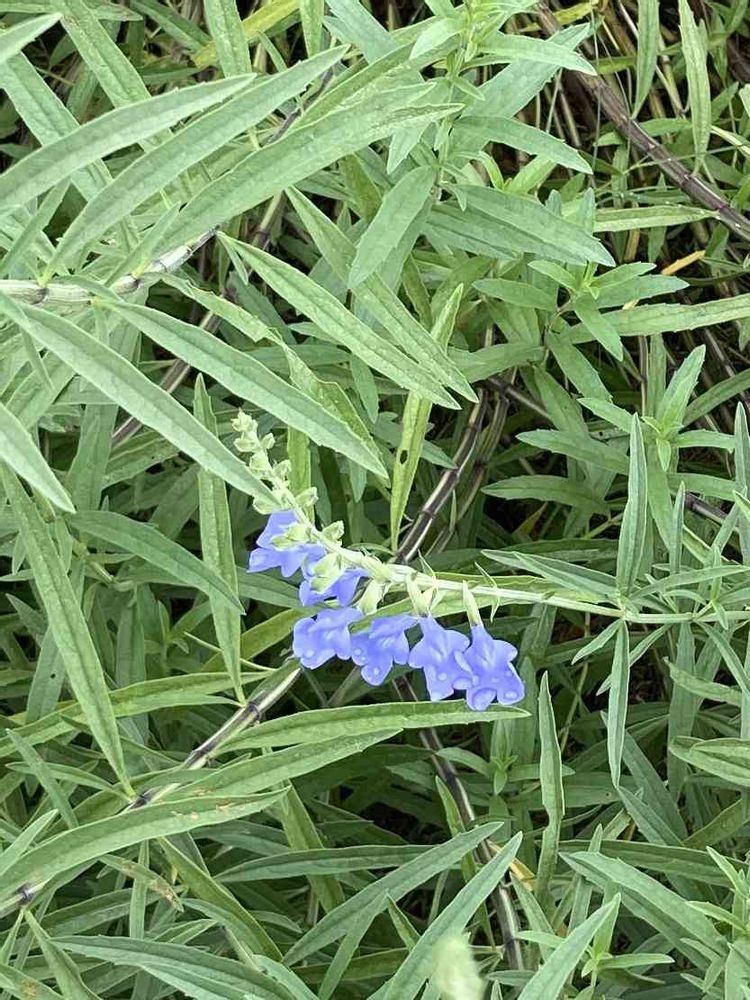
x,y
25,838
618,220
192,971
414,426
556,489
226,31
617,707
111,131
217,547
249,379
378,300
415,969
695,53
650,901
61,965
301,152
12,40
728,759
553,798
147,402
549,980
316,726
395,884
67,624
635,517
508,48
647,50
471,135
644,321
579,447
555,238
259,23
89,841
670,412
342,326
239,922
148,543
157,168
23,986
400,207
22,455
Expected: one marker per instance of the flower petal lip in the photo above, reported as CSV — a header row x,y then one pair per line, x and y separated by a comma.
x,y
382,645
488,673
320,638
435,654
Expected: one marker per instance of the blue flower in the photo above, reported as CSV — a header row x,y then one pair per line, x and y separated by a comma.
x,y
435,653
326,635
488,674
288,560
342,589
382,645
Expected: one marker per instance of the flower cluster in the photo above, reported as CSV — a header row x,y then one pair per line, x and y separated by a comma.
x,y
481,667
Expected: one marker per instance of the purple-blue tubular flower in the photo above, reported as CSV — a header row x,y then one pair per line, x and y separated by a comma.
x,y
288,560
326,635
343,589
488,674
382,645
435,654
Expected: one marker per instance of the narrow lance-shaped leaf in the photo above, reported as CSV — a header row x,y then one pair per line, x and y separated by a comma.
x,y
242,374
57,160
19,451
415,969
553,799
617,709
401,206
635,518
61,965
647,52
695,52
226,30
396,884
379,301
301,152
68,626
12,40
218,551
89,841
147,402
549,980
156,169
342,326
147,542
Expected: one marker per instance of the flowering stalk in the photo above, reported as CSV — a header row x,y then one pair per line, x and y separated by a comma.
x,y
291,542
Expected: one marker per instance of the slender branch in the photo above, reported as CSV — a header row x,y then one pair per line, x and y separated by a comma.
x,y
63,293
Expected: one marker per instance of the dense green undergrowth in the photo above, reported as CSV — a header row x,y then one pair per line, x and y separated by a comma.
x,y
496,331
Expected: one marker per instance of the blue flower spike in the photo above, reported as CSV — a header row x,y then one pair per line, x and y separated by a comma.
x,y
267,556
319,639
435,654
488,672
382,645
343,589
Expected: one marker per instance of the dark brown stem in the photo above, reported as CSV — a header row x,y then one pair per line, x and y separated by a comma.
x,y
445,487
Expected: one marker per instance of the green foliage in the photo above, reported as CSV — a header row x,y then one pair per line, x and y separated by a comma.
x,y
486,326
